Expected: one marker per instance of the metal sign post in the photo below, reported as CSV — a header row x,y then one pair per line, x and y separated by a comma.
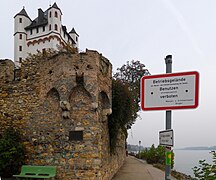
x,y
170,91
139,150
168,61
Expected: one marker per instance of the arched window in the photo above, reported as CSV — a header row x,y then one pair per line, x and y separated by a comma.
x,y
56,27
50,27
50,14
56,14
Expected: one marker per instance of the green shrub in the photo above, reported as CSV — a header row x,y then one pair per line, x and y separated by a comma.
x,y
206,171
156,155
11,153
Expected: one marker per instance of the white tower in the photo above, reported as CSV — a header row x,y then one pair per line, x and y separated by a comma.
x,y
21,20
54,22
75,37
44,32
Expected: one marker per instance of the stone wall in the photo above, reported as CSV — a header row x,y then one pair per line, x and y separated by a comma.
x,y
60,103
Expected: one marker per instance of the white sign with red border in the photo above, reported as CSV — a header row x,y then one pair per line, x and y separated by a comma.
x,y
170,91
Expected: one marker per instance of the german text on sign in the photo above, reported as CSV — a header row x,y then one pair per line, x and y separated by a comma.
x,y
166,138
170,91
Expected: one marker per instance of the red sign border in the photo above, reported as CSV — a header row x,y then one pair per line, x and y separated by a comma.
x,y
171,75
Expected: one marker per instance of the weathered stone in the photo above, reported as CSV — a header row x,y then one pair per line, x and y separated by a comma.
x,y
6,70
97,161
79,129
52,96
87,136
85,122
79,124
79,147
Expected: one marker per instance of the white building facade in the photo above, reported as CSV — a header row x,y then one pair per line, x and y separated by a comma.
x,y
44,32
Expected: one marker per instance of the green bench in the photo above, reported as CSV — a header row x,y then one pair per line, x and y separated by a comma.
x,y
37,172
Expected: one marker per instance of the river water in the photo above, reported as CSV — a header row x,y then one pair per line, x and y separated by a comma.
x,y
185,160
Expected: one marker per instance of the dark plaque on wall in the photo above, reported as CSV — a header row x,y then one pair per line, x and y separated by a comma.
x,y
76,135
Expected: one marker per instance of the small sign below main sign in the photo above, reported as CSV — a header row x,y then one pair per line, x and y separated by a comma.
x,y
166,138
170,91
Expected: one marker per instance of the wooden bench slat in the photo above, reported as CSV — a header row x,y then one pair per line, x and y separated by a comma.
x,y
44,172
29,176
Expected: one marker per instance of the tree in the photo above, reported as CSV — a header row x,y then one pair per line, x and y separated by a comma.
x,y
130,75
125,98
206,171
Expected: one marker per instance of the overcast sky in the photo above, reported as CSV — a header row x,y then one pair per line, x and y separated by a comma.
x,y
145,30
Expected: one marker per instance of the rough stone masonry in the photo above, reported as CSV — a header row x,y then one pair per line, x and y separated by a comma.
x,y
61,104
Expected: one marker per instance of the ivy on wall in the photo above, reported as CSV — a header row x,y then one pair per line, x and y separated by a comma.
x,y
122,111
125,98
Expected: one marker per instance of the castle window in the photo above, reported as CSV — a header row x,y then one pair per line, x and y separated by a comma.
x,y
56,14
44,28
50,14
20,48
31,31
50,27
20,20
20,36
56,27
76,38
20,59
37,30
